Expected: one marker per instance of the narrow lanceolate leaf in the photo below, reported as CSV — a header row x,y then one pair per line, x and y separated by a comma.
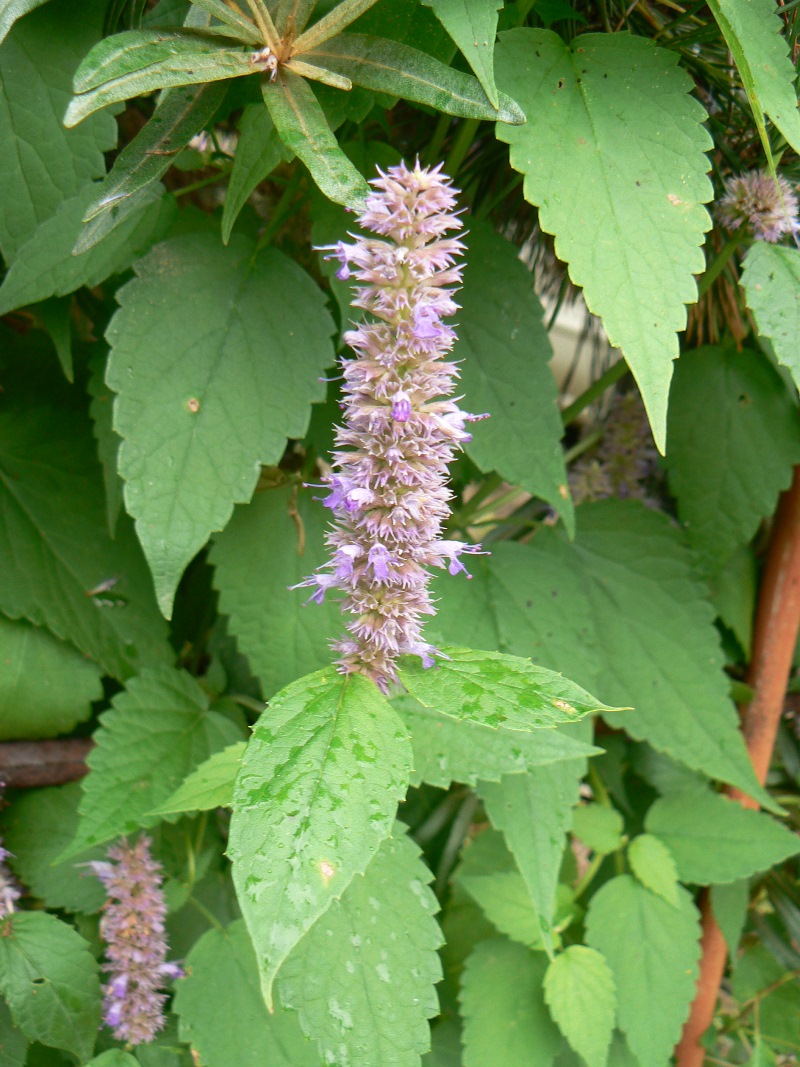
x,y
179,115
391,67
245,27
580,992
222,985
269,545
734,438
506,350
771,281
473,26
138,61
46,685
613,157
317,792
492,689
447,750
258,152
292,15
11,10
656,983
158,731
208,787
303,128
716,840
216,357
652,863
363,978
502,1002
752,31
50,981
344,13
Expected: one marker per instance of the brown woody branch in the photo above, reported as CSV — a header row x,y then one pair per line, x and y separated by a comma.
x,y
30,763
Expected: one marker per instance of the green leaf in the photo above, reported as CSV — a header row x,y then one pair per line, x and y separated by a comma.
x,y
505,349
138,61
41,163
50,981
37,828
363,978
259,554
760,977
258,153
13,1043
216,355
771,281
729,904
716,840
580,992
394,68
752,31
652,863
734,438
502,1002
11,10
222,985
100,409
246,30
45,265
473,26
55,315
656,983
179,115
114,1057
315,796
157,732
46,686
52,524
599,827
208,787
493,689
448,751
332,23
303,128
613,157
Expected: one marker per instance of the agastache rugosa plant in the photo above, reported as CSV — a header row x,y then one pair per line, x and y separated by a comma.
x,y
10,890
768,208
136,947
388,492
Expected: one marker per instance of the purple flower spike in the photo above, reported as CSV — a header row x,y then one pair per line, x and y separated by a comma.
x,y
388,494
10,889
768,209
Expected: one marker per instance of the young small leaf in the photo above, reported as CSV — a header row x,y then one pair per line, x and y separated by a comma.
x,y
652,863
209,786
598,827
580,992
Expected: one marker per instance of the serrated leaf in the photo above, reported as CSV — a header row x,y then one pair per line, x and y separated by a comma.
x,y
473,26
215,357
394,68
41,163
209,786
771,281
45,265
599,827
502,1002
752,31
179,115
52,525
580,992
46,685
156,733
37,828
258,153
222,985
50,980
316,794
714,840
734,438
448,751
133,62
729,905
652,863
100,409
493,689
505,349
613,157
656,983
13,1043
303,128
256,558
363,978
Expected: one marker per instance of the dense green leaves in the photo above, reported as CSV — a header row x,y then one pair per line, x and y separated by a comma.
x,y
505,348
50,981
210,786
580,992
157,732
315,796
623,190
652,863
663,969
473,26
362,979
216,354
771,281
716,840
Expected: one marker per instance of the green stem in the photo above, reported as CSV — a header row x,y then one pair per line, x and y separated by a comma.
x,y
716,268
584,445
588,875
207,915
460,147
595,391
461,518
203,182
